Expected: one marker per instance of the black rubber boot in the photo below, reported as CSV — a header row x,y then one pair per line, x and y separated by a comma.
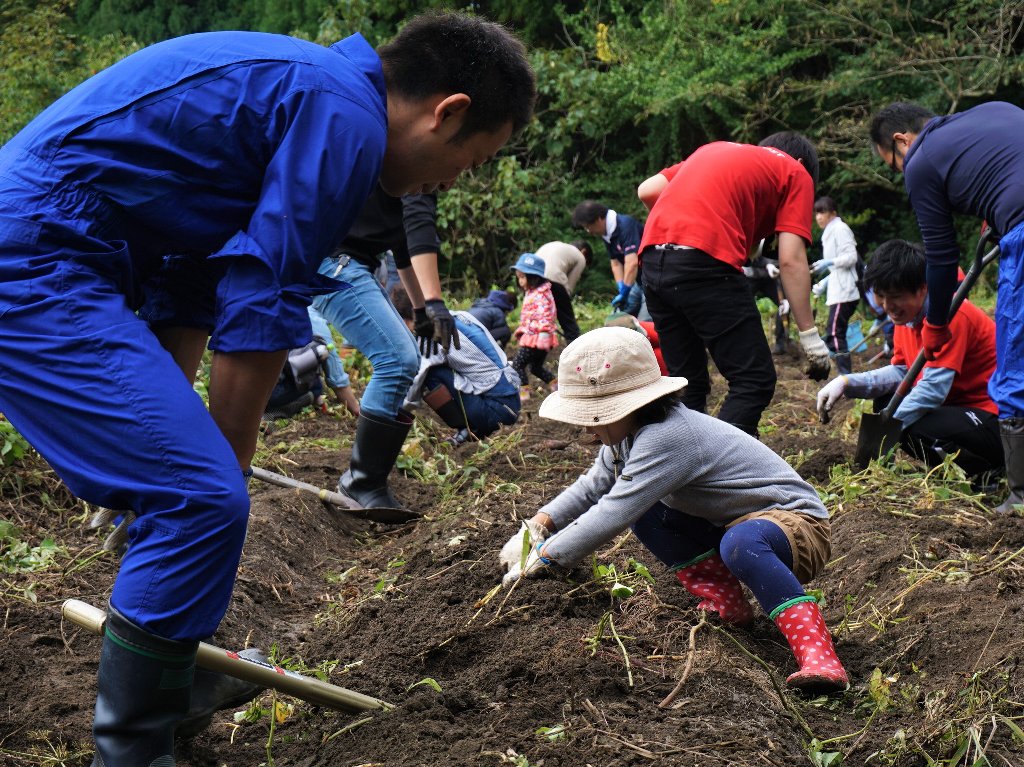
x,y
144,686
376,447
1011,430
213,692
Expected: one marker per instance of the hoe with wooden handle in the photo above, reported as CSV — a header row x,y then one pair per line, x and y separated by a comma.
x,y
264,674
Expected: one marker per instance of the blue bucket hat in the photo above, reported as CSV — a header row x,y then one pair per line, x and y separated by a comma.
x,y
501,299
530,263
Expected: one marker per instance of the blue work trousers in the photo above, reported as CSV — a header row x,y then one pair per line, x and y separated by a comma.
x,y
86,382
365,316
1006,387
484,412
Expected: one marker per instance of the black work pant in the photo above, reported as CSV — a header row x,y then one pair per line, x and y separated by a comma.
x,y
701,305
563,308
835,337
969,431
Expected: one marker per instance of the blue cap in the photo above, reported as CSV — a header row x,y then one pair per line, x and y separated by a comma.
x,y
501,299
530,263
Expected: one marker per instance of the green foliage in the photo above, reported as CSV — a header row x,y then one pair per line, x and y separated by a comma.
x,y
43,57
17,556
12,445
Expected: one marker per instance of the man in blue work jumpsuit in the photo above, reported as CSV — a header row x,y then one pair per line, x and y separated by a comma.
x,y
247,156
969,162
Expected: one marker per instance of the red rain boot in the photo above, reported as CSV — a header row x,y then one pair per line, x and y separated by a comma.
x,y
808,637
721,590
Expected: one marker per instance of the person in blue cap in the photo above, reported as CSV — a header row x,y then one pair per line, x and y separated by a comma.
x,y
537,333
247,156
492,311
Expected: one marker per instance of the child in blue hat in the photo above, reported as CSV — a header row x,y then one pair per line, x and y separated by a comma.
x,y
536,333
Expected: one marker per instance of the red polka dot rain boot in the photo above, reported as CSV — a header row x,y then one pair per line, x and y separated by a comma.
x,y
805,630
721,591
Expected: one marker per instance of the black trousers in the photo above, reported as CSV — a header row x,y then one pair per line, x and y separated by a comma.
x,y
969,431
835,337
563,308
949,429
701,305
532,360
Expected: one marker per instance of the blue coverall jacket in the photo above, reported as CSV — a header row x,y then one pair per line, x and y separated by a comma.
x,y
199,182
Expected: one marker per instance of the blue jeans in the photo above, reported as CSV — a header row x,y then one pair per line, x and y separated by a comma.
x,y
484,412
336,375
365,316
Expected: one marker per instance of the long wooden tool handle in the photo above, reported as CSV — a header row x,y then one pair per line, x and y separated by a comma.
x,y
324,495
264,674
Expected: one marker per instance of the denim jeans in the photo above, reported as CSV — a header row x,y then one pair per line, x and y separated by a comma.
x,y
484,412
336,375
365,316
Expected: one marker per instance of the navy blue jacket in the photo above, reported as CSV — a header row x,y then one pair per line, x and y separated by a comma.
x,y
970,162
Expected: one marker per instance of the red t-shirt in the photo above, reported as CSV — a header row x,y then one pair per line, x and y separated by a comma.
x,y
971,354
725,198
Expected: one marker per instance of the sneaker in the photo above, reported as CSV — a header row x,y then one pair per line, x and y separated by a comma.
x,y
524,393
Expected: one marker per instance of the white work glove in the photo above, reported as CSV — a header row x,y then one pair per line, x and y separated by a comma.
x,y
818,363
773,271
511,554
829,395
533,567
820,287
783,307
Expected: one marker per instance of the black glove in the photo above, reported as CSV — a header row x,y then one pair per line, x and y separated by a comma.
x,y
422,328
444,332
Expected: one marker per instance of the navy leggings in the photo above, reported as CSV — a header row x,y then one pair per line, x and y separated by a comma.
x,y
757,551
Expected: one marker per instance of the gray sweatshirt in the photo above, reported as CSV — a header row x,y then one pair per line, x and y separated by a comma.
x,y
690,462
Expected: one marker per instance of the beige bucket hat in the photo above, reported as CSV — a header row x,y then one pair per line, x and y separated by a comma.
x,y
605,375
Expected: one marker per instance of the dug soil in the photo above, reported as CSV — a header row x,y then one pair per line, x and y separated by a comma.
x,y
923,594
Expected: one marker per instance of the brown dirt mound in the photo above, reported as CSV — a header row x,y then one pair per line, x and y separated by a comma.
x,y
923,594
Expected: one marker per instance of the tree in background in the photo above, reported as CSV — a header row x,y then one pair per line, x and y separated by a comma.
x,y
626,88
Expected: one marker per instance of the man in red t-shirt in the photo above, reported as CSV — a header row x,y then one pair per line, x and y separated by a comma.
x,y
708,214
948,410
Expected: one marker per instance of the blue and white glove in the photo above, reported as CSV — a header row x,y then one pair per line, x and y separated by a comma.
x,y
820,266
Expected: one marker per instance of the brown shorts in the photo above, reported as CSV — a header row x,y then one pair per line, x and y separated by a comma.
x,y
810,539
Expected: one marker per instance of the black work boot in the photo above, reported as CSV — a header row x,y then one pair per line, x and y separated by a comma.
x,y
376,447
1011,430
144,686
213,692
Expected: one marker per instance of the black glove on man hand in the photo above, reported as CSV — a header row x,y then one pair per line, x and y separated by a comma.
x,y
423,329
444,331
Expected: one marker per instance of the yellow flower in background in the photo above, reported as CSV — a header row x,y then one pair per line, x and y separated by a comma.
x,y
604,51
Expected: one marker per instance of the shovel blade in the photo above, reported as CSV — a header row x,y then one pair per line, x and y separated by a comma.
x,y
878,436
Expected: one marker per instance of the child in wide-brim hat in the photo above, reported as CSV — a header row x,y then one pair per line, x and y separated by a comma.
x,y
717,507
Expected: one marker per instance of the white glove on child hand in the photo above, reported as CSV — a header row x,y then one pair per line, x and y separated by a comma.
x,y
829,395
773,270
783,307
820,288
534,566
511,554
818,364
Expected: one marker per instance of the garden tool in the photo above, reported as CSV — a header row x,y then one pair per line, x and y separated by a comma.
x,y
249,669
390,516
880,432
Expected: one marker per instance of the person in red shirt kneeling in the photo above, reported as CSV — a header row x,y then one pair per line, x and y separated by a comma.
x,y
948,410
